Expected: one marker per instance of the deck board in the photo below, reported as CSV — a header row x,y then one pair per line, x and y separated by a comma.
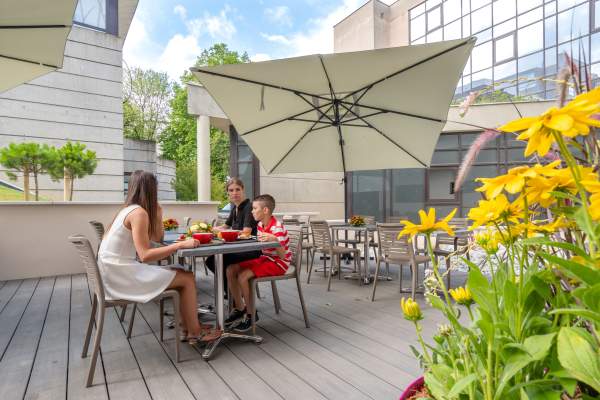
x,y
355,349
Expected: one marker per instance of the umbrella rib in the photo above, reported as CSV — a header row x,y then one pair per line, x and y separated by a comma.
x,y
318,109
384,110
310,120
293,147
258,83
280,121
387,137
336,110
28,61
355,102
364,116
441,53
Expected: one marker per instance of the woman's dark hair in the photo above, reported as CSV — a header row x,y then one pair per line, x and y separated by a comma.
x,y
234,181
143,191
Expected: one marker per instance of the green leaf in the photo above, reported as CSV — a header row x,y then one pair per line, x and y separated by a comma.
x,y
578,357
563,245
582,272
435,386
436,302
480,287
542,393
580,312
539,345
461,385
591,297
584,222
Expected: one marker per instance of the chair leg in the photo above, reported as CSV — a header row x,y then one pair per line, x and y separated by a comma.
x,y
415,272
312,260
302,304
330,274
275,297
448,272
131,319
339,266
123,311
177,317
88,333
96,350
325,264
161,303
375,281
252,305
257,291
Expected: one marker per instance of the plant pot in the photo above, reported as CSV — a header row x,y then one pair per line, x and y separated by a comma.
x,y
413,388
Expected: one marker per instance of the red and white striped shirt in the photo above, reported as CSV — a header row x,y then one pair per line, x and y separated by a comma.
x,y
276,228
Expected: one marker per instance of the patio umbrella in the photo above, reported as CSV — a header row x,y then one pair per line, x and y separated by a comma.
x,y
33,34
365,110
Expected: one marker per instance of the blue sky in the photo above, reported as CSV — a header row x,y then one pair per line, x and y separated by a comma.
x,y
168,35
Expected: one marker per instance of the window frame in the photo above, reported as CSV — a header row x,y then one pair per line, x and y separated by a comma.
x,y
112,19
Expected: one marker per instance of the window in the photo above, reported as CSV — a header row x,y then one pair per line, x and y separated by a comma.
x,y
97,14
573,23
434,18
550,32
505,27
243,164
504,48
481,19
596,14
452,31
368,193
451,10
435,36
503,10
531,16
531,38
526,5
506,72
417,27
482,56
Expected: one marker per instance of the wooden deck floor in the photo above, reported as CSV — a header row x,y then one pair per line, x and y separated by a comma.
x,y
354,349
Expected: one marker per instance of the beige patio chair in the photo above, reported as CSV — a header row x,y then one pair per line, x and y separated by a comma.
x,y
100,303
324,244
99,230
293,272
306,245
186,221
357,239
447,246
398,251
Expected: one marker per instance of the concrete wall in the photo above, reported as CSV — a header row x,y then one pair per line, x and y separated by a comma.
x,y
356,31
141,154
82,101
322,192
34,235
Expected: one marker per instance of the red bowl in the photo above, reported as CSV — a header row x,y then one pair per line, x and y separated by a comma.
x,y
203,237
230,235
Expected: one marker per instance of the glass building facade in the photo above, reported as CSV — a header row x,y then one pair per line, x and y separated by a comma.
x,y
517,40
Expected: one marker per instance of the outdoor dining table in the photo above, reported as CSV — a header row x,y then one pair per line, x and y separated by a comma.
x,y
367,230
217,250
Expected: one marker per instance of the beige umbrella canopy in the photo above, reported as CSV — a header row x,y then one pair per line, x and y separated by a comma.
x,y
33,34
365,110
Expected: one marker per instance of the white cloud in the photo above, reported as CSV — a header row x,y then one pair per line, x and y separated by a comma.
x,y
279,15
217,26
182,49
181,11
277,39
260,57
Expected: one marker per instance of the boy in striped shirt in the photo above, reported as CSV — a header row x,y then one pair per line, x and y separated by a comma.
x,y
272,262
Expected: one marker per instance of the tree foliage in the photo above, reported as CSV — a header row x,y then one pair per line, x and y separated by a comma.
x,y
28,159
178,139
146,103
73,161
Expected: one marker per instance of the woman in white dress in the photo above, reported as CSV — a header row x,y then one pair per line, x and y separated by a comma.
x,y
139,222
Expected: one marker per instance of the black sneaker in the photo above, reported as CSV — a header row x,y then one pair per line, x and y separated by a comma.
x,y
245,325
235,317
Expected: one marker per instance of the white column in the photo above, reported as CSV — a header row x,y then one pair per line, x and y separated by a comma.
x,y
203,157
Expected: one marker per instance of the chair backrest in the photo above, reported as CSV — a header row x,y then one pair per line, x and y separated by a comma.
x,y
98,228
84,248
321,234
186,221
390,243
295,246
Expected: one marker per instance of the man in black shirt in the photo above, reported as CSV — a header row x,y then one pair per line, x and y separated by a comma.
x,y
240,218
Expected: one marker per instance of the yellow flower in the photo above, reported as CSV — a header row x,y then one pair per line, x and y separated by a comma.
x,y
590,263
488,240
551,227
493,210
428,224
462,295
571,120
512,182
411,309
539,190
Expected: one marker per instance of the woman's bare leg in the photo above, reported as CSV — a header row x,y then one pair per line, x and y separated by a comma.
x,y
185,283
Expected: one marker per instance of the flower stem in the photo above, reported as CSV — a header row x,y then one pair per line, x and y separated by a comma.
x,y
422,343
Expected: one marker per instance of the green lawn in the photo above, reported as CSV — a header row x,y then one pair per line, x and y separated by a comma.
x,y
8,194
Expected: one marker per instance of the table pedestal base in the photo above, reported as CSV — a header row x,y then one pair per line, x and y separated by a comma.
x,y
210,348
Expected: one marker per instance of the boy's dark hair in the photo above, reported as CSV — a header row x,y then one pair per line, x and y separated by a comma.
x,y
267,201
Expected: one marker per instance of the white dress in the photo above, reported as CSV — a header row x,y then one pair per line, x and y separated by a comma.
x,y
123,276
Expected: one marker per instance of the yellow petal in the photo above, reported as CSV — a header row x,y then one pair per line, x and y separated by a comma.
x,y
519,124
560,122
